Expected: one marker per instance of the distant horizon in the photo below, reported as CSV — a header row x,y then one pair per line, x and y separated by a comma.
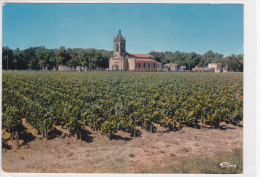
x,y
146,27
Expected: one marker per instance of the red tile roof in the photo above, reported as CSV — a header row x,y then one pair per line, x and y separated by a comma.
x,y
140,55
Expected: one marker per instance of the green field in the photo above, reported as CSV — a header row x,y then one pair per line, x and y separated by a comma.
x,y
112,101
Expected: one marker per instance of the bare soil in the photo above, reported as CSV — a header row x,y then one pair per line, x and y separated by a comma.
x,y
123,154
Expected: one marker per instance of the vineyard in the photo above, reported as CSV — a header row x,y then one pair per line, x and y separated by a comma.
x,y
113,101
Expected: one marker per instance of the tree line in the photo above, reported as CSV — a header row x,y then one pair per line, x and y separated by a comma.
x,y
36,58
192,59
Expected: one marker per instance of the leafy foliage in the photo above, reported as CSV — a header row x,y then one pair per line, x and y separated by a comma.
x,y
36,58
112,101
190,60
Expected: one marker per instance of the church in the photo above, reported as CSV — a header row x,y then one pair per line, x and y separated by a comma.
x,y
123,61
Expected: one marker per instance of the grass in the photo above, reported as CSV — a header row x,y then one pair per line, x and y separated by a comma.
x,y
204,165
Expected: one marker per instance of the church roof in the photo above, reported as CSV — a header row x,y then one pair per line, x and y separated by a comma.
x,y
119,36
140,55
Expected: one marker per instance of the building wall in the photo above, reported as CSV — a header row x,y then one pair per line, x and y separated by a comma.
x,y
66,68
125,64
159,66
110,64
131,64
145,66
114,64
174,67
216,66
120,64
183,68
119,48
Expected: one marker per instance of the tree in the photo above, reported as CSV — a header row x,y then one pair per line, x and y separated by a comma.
x,y
7,56
63,57
234,63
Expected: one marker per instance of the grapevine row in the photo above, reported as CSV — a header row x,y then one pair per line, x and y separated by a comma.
x,y
110,101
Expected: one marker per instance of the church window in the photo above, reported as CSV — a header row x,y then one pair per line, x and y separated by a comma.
x,y
117,48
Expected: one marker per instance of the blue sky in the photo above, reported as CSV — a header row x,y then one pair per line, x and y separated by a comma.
x,y
146,27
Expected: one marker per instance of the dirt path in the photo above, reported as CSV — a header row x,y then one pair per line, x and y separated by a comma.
x,y
124,154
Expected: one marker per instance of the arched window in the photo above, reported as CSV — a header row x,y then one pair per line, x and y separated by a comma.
x,y
117,48
139,65
144,65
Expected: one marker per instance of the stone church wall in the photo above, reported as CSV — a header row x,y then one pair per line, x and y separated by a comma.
x,y
131,64
118,64
146,66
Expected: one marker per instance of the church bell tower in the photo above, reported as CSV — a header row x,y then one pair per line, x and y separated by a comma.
x,y
119,45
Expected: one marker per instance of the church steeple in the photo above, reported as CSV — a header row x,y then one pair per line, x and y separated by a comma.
x,y
119,45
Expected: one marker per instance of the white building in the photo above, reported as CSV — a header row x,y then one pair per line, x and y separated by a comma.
x,y
171,66
217,67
